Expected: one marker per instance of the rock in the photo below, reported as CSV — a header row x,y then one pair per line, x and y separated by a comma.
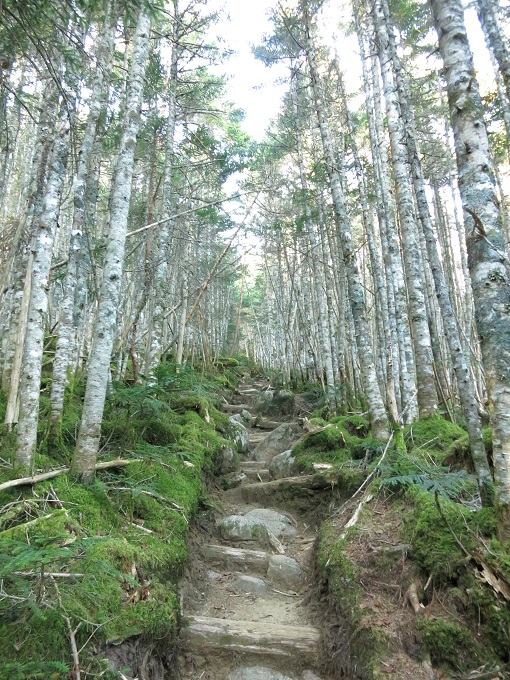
x,y
283,402
281,465
276,441
233,480
263,401
213,575
247,418
256,673
239,434
240,528
284,571
226,460
277,523
308,675
254,526
250,585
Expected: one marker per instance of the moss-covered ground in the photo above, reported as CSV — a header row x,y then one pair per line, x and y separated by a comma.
x,y
125,535
424,527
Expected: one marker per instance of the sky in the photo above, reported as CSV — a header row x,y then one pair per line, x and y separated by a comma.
x,y
259,90
252,86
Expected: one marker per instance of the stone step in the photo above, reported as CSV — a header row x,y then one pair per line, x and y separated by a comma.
x,y
259,492
250,637
254,473
253,464
235,408
250,391
239,558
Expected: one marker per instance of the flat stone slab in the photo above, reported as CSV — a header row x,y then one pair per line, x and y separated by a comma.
x,y
250,585
241,528
238,557
284,571
257,673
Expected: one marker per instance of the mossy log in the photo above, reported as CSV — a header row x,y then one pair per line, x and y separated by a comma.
x,y
251,637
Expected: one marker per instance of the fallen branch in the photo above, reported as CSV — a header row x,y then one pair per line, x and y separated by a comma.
x,y
26,481
38,574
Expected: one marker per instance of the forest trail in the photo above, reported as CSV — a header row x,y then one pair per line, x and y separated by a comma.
x,y
244,601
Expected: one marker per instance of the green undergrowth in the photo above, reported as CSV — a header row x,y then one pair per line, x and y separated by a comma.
x,y
425,476
126,534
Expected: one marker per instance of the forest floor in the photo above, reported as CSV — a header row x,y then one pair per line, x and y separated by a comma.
x,y
260,628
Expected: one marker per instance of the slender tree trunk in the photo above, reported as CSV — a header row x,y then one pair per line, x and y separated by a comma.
x,y
30,383
99,366
427,396
487,264
378,417
66,330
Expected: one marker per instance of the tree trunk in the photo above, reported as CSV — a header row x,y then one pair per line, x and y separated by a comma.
x,y
378,417
30,383
99,366
485,243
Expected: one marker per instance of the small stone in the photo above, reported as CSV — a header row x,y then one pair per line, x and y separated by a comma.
x,y
213,575
256,673
284,571
247,418
250,585
226,460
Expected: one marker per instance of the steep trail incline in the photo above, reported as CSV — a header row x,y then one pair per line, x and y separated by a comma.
x,y
244,607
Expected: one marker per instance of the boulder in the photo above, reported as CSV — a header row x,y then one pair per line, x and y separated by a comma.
x,y
284,571
239,434
247,418
254,526
227,460
283,402
250,585
240,528
275,522
281,465
276,441
263,402
256,673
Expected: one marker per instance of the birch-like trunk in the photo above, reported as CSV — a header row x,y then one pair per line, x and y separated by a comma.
x,y
427,396
397,294
66,341
378,417
30,383
488,13
488,266
99,365
459,360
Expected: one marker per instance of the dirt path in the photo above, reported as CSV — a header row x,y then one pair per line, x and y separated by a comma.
x,y
244,606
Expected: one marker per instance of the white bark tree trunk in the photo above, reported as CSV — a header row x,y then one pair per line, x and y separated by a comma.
x,y
99,366
30,383
487,264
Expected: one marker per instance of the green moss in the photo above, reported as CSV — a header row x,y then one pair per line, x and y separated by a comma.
x,y
433,434
354,424
129,579
433,543
447,642
368,643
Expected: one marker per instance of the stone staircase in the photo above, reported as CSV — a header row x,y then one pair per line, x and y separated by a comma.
x,y
248,621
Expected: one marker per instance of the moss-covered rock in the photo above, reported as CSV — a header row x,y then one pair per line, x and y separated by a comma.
x,y
435,434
